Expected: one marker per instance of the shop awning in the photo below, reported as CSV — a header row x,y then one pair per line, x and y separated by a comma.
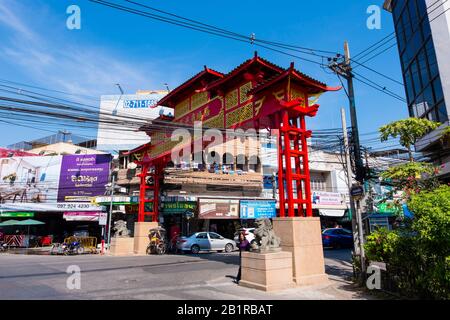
x,y
332,213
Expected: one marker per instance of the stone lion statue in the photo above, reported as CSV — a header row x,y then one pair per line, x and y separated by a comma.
x,y
265,237
120,229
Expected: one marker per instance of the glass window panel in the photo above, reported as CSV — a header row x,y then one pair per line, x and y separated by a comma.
x,y
421,7
409,86
442,112
427,97
416,77
407,24
438,92
432,62
413,15
422,60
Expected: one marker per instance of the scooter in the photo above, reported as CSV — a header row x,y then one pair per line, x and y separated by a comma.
x,y
71,248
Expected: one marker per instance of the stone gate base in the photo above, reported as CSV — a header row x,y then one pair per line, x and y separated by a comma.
x,y
303,238
121,246
266,271
141,241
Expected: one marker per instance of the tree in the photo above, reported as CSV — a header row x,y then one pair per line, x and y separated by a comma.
x,y
409,131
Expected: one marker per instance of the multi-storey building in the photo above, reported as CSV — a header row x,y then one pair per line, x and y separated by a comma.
x,y
423,36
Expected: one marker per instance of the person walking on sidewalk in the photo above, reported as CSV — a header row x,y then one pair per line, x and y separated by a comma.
x,y
243,245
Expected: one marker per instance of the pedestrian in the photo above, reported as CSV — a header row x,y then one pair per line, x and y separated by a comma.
x,y
243,245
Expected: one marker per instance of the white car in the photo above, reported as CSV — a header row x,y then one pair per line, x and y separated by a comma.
x,y
249,235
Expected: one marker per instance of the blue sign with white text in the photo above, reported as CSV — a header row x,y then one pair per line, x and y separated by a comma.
x,y
139,104
258,209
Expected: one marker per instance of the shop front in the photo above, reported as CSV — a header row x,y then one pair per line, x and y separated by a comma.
x,y
332,209
219,215
179,218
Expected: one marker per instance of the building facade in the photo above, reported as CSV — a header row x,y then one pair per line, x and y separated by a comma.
x,y
422,29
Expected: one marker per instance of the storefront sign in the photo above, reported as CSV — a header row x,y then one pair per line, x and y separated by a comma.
x,y
83,177
81,216
258,209
327,198
140,104
49,207
218,209
178,207
115,200
102,218
17,214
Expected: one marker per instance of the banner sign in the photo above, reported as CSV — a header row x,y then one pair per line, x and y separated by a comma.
x,y
16,214
178,207
258,209
83,177
327,198
140,104
41,183
81,216
218,209
50,207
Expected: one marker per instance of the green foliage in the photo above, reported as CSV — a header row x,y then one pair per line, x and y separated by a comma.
x,y
380,245
432,218
418,255
445,134
412,177
408,130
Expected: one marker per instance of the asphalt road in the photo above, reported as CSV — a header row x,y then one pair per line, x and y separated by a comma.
x,y
204,276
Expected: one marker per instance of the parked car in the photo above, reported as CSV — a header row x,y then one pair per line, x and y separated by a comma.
x,y
337,238
205,241
249,234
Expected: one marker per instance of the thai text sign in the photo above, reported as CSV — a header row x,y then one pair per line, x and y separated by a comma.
x,y
258,209
178,207
327,198
83,177
218,209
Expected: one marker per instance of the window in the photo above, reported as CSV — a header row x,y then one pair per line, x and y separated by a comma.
x,y
409,86
202,236
432,61
422,59
437,86
416,77
214,236
442,112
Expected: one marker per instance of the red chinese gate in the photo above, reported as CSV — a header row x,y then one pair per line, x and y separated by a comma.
x,y
257,94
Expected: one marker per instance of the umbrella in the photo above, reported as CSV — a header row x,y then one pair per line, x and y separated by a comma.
x,y
29,222
9,223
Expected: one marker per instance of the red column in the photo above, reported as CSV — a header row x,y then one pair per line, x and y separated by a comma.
x,y
287,159
306,167
280,167
142,191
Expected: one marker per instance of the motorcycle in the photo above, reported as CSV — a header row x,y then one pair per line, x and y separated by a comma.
x,y
71,248
158,241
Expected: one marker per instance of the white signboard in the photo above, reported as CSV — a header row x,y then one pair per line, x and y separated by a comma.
x,y
327,198
103,219
135,111
49,207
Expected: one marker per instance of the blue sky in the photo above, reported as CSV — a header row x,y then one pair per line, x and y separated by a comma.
x,y
139,53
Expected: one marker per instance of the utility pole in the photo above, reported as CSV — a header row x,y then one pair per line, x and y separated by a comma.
x,y
344,69
113,180
357,228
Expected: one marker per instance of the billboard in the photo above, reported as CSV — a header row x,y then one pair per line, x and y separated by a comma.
x,y
258,209
83,177
52,183
218,209
136,111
